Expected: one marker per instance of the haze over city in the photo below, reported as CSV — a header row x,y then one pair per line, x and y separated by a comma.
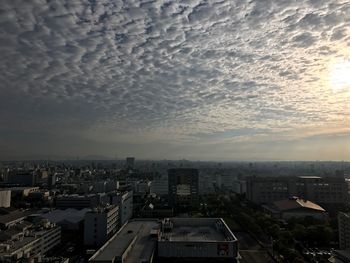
x,y
201,80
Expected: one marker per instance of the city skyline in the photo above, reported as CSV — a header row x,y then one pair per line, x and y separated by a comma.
x,y
200,80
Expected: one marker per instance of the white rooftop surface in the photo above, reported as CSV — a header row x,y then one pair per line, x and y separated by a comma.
x,y
196,234
143,246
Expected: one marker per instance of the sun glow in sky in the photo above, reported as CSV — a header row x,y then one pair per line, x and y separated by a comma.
x,y
203,80
340,75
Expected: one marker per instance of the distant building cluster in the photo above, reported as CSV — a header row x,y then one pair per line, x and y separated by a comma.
x,y
152,211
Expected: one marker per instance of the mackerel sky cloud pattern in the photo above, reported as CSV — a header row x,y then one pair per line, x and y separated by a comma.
x,y
197,79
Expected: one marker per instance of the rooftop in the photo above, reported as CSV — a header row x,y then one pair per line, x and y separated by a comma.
x,y
295,203
137,232
193,233
195,230
14,216
70,215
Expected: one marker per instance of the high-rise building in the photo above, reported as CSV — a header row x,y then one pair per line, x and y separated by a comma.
x,y
183,187
100,224
344,230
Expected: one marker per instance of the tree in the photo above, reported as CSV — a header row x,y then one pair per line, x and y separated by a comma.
x,y
299,232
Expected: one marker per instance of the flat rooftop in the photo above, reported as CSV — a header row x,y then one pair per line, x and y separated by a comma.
x,y
14,216
195,230
137,232
192,233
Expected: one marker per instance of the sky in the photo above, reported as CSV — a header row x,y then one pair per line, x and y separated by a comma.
x,y
194,79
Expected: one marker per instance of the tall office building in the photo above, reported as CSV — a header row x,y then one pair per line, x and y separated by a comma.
x,y
183,187
344,230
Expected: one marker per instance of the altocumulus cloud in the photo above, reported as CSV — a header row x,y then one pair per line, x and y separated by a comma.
x,y
109,76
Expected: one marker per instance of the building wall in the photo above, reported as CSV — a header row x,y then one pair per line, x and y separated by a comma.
x,y
125,203
78,202
23,178
95,229
326,190
193,249
50,239
5,198
183,187
304,213
344,230
205,250
99,225
159,187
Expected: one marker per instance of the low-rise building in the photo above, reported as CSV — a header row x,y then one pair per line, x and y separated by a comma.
x,y
295,207
29,243
322,190
69,219
13,218
134,242
77,201
200,239
170,240
23,191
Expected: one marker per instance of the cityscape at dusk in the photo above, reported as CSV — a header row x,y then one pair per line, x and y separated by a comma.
x,y
175,131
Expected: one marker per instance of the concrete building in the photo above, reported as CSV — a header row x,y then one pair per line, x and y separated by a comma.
x,y
206,184
69,219
99,224
183,187
5,198
105,186
21,177
143,187
28,242
295,207
14,217
199,239
172,240
322,190
160,186
344,230
23,191
134,242
125,203
77,201
50,237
